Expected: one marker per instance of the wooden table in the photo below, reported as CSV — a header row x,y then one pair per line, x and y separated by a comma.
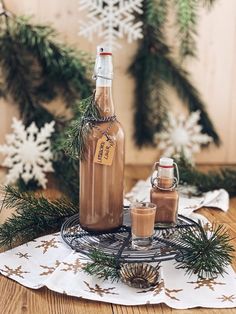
x,y
16,299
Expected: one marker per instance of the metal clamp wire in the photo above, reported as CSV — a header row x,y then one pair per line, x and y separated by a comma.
x,y
155,180
95,77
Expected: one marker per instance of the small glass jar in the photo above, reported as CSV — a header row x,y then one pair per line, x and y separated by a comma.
x,y
163,193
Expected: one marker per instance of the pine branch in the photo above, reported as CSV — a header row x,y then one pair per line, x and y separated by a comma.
x,y
187,24
102,266
172,73
2,89
156,13
34,217
43,69
75,144
18,77
18,80
209,3
37,69
153,67
150,103
222,179
204,254
61,67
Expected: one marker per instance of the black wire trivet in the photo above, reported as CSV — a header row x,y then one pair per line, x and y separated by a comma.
x,y
166,241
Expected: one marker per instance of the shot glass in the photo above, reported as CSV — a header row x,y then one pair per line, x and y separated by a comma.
x,y
142,224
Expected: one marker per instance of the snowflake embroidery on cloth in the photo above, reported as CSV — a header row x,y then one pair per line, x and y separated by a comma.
x,y
112,19
49,269
47,244
227,298
181,135
13,272
158,288
76,267
100,291
204,282
28,152
23,255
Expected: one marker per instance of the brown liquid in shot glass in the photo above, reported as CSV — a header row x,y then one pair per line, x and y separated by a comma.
x,y
142,221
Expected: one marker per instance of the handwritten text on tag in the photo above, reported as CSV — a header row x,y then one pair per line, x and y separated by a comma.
x,y
105,150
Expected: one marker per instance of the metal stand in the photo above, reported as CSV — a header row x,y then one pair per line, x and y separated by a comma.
x,y
166,244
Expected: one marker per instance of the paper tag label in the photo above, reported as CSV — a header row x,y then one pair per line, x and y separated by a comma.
x,y
105,150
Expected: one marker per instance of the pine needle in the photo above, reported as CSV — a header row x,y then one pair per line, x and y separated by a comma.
x,y
224,178
208,3
187,24
203,254
77,133
150,103
154,67
34,216
206,255
62,68
36,69
102,266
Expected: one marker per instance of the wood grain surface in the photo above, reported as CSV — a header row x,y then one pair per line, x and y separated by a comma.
x,y
16,299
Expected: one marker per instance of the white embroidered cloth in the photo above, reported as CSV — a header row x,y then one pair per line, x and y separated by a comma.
x,y
48,261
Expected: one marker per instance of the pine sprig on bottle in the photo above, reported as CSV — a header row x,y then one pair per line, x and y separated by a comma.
x,y
34,216
204,253
78,131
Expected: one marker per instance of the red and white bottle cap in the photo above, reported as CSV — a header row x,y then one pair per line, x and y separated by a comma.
x,y
103,69
104,51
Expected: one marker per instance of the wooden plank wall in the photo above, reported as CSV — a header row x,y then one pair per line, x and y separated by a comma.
x,y
214,72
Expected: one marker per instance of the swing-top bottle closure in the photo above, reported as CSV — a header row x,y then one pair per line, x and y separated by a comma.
x,y
164,170
103,68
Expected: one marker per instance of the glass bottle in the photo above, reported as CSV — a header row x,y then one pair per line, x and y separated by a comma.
x,y
163,193
101,185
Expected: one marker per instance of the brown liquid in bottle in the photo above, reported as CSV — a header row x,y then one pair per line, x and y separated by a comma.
x,y
101,186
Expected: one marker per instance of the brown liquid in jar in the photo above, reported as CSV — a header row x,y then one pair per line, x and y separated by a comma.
x,y
166,202
101,186
165,182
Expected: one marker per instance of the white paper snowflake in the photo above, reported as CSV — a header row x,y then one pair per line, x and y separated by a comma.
x,y
111,19
182,135
28,152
